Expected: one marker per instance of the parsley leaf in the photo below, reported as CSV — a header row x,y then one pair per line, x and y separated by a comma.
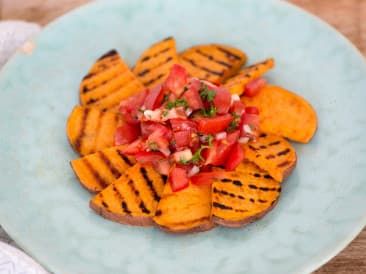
x,y
153,146
208,112
209,139
206,94
177,103
183,161
234,123
165,113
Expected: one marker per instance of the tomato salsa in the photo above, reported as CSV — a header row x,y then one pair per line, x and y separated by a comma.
x,y
186,126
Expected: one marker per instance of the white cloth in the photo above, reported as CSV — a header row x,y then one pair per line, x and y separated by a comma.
x,y
13,34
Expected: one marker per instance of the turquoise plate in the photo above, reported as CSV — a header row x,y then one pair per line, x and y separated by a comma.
x,y
322,207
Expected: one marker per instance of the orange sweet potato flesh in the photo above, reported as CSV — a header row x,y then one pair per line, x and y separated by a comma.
x,y
155,63
91,129
133,198
243,196
237,83
108,82
98,170
273,154
284,113
188,210
212,62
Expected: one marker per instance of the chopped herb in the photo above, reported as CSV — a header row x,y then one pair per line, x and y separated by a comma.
x,y
153,146
185,88
165,113
206,94
173,142
252,127
209,112
197,155
166,97
235,115
209,139
234,123
177,103
184,161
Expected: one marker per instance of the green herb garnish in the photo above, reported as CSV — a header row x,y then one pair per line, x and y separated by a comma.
x,y
209,139
206,94
165,113
183,161
208,112
153,146
177,103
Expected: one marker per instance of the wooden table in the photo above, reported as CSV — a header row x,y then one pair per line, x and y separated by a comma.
x,y
348,16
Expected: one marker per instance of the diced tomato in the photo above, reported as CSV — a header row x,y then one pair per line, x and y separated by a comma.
x,y
130,106
222,100
207,178
154,98
147,128
195,83
180,124
252,110
177,79
252,88
182,138
135,147
235,158
158,141
220,150
249,125
126,134
213,125
238,107
192,95
156,159
178,178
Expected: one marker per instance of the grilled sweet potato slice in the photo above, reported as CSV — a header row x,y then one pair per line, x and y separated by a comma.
x,y
243,196
98,170
155,63
188,210
212,62
237,83
133,198
284,113
108,82
91,129
273,154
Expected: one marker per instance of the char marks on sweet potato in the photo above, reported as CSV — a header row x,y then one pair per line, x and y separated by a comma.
x,y
98,170
212,62
237,83
284,113
273,154
108,82
133,198
243,196
91,129
154,64
187,210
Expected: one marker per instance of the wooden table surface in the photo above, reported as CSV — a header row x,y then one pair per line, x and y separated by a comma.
x,y
348,16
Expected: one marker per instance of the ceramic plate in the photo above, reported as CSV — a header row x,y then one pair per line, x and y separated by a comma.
x,y
322,207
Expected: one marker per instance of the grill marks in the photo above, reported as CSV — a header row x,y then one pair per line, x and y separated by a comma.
x,y
237,83
155,63
255,193
133,194
97,171
273,154
91,129
212,62
108,82
185,209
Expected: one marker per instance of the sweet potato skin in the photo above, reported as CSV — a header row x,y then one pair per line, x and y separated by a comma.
x,y
284,113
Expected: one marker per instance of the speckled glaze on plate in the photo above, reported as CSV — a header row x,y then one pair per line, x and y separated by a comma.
x,y
322,206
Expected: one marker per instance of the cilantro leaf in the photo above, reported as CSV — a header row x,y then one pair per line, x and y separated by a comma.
x,y
206,94
177,103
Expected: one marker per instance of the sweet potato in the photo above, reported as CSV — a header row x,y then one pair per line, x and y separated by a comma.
x,y
237,83
212,62
284,113
243,196
98,170
272,154
91,129
108,82
155,63
133,198
188,210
